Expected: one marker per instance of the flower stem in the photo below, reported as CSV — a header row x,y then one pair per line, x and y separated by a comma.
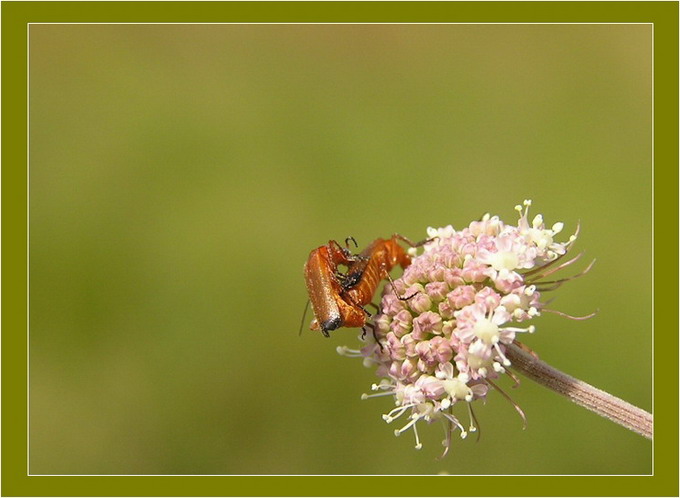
x,y
595,400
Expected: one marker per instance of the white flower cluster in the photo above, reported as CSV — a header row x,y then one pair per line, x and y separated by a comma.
x,y
446,343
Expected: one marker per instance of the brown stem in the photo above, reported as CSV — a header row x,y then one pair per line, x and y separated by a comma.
x,y
595,400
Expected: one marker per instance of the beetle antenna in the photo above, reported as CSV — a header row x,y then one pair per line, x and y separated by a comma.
x,y
302,323
353,240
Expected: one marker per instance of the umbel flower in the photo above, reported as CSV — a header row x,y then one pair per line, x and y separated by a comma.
x,y
441,337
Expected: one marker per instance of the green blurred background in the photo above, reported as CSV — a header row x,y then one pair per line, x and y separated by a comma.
x,y
180,175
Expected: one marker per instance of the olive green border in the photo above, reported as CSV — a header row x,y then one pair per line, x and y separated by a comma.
x,y
16,15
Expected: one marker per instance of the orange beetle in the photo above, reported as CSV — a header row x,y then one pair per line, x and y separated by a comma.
x,y
324,287
338,298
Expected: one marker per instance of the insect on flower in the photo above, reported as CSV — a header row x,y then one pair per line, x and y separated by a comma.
x,y
337,298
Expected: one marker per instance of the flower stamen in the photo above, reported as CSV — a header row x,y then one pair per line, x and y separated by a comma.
x,y
415,432
499,351
456,422
376,395
474,424
349,353
411,423
389,418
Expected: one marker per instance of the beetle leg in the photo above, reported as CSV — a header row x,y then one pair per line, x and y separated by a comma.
x,y
396,293
377,308
375,337
410,242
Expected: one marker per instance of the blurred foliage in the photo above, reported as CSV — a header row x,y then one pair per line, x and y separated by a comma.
x,y
180,174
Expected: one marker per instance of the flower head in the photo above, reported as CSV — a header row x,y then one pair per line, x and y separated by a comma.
x,y
444,343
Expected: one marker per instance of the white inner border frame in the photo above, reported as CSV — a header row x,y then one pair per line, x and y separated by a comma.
x,y
28,76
